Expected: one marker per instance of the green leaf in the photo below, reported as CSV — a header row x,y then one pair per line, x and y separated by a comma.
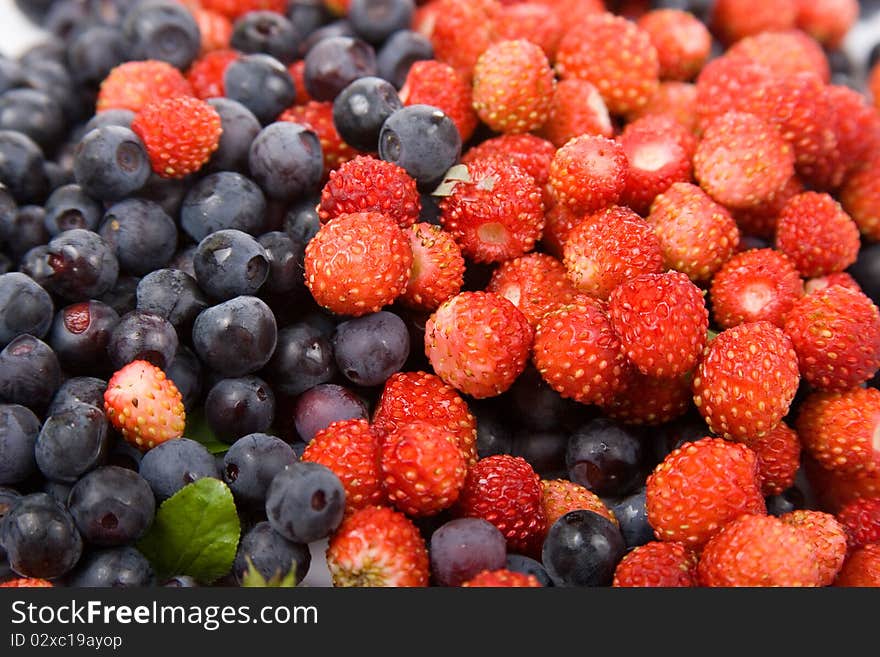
x,y
197,429
254,579
195,532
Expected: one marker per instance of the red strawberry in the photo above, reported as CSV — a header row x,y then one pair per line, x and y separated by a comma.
x,y
841,430
779,457
358,263
319,117
459,30
615,55
827,21
786,52
437,272
377,546
836,334
144,405
649,400
578,353
610,248
297,72
437,84
233,9
657,564
756,550
862,568
27,583
683,43
861,522
478,342
502,578
675,99
588,173
697,235
856,124
733,20
726,84
577,108
824,282
133,85
860,197
350,448
367,184
825,536
205,75
753,286
558,223
419,396
513,86
176,152
215,28
568,8
532,21
530,153
423,468
746,381
835,489
559,496
535,283
874,84
506,491
760,220
495,213
700,487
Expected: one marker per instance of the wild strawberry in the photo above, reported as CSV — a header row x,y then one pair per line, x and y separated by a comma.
x,y
742,161
27,583
662,321
434,83
532,21
423,468
697,235
649,400
367,184
233,9
824,282
675,99
478,342
535,283
419,396
726,84
513,86
319,117
874,85
733,20
205,75
358,263
559,496
610,248
460,31
297,72
786,52
588,173
827,21
700,487
758,550
558,223
860,197
496,213
657,564
825,536
215,28
350,448
506,491
437,272
615,55
578,353
576,109
856,124
753,286
861,568
836,334
502,578
834,489
779,457
655,124
760,220
841,430
568,8
144,405
377,546
861,522
133,85
746,381
180,134
683,43
530,153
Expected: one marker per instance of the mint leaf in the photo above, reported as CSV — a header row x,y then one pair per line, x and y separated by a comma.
x,y
195,532
197,429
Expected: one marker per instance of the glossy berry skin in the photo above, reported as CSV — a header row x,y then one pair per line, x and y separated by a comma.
x,y
633,519
25,307
305,502
80,335
142,336
173,295
464,547
682,41
825,535
536,283
89,390
779,457
262,84
236,337
32,113
40,538
230,263
222,201
240,126
436,84
606,458
437,273
321,406
237,407
112,506
69,207
250,465
862,568
559,496
588,173
142,236
23,169
81,265
502,578
170,466
566,560
360,109
267,32
376,20
657,564
271,554
519,563
302,359
576,109
334,63
371,348
399,53
131,85
122,567
29,373
860,520
285,159
162,30
19,428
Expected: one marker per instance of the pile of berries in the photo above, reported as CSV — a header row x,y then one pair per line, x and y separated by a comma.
x,y
449,293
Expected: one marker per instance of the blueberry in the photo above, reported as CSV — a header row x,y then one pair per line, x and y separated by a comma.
x,y
181,582
266,32
308,15
167,192
80,335
606,457
582,548
121,567
122,297
142,336
286,270
163,30
286,160
494,436
110,163
303,359
537,406
40,538
173,295
220,201
72,442
112,506
171,465
272,555
29,373
58,490
33,113
23,229
672,435
399,53
76,390
251,464
183,260
334,63
301,221
519,563
82,265
236,337
544,450
141,235
237,407
305,502
21,167
118,117
10,74
262,84
321,406
371,348
64,17
70,207
866,271
361,108
423,141
240,126
25,307
376,20
463,547
19,428
8,499
230,263
94,52
186,372
633,518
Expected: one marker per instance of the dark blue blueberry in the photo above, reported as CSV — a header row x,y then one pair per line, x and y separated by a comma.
x,y
221,201
164,30
672,435
112,506
240,126
308,15
606,457
519,563
121,567
110,163
118,117
238,407
122,297
141,235
266,32
633,518
94,52
69,207
171,465
286,160
582,548
173,295
236,337
251,464
72,442
371,348
361,108
8,499
262,84
8,209
25,307
21,167
34,114
286,270
64,17
35,263
271,555
494,435
536,405
81,264
866,271
463,547
305,502
167,192
301,221
186,372
399,53
19,428
10,74
337,28
181,582
23,230
303,359
46,73
183,260
40,537
80,335
230,263
544,450
59,491
423,140
29,373
376,20
334,63
321,406
58,173
142,336
77,390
